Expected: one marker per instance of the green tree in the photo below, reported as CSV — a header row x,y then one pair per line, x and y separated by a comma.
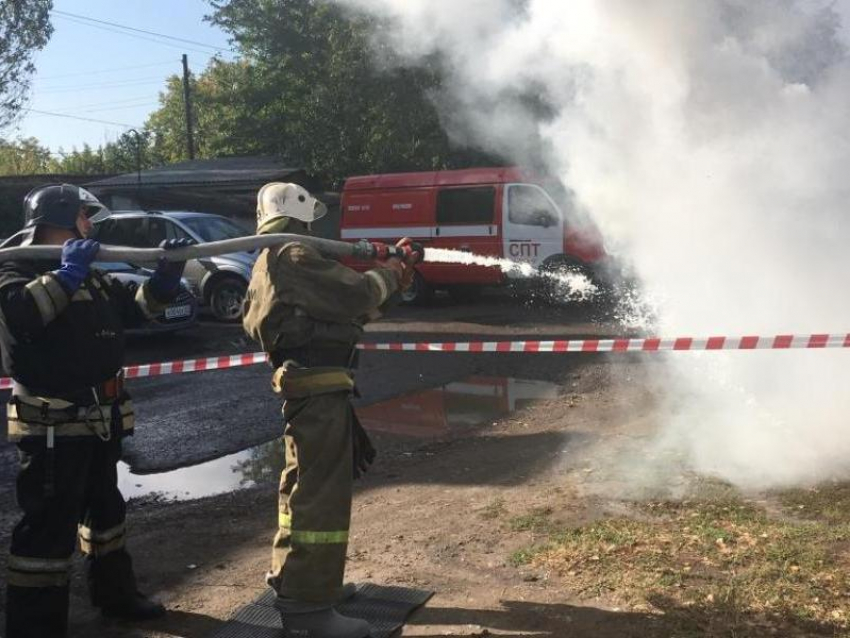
x,y
24,157
124,155
307,90
24,29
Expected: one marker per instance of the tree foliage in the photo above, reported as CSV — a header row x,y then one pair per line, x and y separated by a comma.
x,y
126,154
24,157
24,29
308,90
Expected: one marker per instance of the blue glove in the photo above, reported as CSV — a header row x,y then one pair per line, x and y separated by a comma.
x,y
165,281
77,256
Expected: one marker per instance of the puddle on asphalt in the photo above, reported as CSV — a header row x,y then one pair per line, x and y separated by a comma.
x,y
260,464
425,416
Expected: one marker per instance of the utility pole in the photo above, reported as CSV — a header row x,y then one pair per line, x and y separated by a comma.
x,y
187,102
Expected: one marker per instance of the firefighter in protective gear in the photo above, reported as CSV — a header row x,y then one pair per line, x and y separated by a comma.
x,y
61,331
307,312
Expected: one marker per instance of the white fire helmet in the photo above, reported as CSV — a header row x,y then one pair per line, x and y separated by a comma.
x,y
279,201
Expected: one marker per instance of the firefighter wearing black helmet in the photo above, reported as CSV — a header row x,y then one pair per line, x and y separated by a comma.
x,y
62,335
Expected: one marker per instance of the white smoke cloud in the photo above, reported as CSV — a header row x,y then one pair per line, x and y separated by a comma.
x,y
710,140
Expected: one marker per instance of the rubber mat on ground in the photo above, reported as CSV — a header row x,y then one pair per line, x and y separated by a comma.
x,y
384,608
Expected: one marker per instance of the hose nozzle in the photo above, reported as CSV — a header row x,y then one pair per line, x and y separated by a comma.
x,y
383,251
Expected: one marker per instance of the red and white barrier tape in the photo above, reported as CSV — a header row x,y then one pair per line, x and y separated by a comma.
x,y
194,365
176,367
779,342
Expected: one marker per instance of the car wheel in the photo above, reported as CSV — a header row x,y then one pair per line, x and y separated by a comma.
x,y
419,292
226,299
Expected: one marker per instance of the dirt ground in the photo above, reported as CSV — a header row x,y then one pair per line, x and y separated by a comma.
x,y
472,518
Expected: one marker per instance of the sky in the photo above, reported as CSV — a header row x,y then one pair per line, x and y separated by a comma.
x,y
85,70
106,74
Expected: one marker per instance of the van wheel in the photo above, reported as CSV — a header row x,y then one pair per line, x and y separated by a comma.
x,y
419,292
226,299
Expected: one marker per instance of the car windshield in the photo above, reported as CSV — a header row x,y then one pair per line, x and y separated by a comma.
x,y
215,228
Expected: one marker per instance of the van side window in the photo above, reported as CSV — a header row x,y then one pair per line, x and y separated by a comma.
x,y
466,205
529,206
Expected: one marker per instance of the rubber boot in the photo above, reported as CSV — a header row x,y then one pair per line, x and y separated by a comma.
x,y
36,612
311,620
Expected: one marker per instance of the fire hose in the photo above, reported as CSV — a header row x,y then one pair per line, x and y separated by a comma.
x,y
361,251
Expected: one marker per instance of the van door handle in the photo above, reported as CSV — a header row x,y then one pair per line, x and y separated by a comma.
x,y
465,247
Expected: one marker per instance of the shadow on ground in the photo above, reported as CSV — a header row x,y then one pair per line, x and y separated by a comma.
x,y
529,619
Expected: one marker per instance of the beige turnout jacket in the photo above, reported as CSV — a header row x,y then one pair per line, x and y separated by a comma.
x,y
297,296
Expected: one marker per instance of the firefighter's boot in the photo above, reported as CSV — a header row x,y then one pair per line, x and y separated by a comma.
x,y
310,620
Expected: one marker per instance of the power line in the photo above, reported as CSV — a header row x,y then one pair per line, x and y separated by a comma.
x,y
118,108
136,105
82,86
134,35
129,28
115,82
75,117
114,70
83,89
107,103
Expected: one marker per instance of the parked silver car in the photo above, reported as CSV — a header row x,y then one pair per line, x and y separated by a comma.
x,y
219,282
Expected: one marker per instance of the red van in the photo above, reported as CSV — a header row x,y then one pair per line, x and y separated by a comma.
x,y
496,212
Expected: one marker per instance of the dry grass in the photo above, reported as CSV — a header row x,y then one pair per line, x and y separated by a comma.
x,y
715,565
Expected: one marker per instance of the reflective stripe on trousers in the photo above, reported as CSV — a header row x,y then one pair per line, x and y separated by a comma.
x,y
27,571
310,537
100,543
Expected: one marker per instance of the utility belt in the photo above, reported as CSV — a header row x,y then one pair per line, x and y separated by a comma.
x,y
103,393
103,411
311,371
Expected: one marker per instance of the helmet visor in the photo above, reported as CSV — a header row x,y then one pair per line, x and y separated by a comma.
x,y
95,212
319,210
92,207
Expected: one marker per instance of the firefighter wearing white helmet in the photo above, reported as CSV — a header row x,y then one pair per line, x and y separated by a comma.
x,y
307,312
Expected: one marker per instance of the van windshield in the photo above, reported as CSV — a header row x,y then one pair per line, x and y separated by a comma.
x,y
215,228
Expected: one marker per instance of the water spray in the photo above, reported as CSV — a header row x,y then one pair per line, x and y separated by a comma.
x,y
575,285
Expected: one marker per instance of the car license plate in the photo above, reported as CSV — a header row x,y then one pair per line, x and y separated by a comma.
x,y
173,312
